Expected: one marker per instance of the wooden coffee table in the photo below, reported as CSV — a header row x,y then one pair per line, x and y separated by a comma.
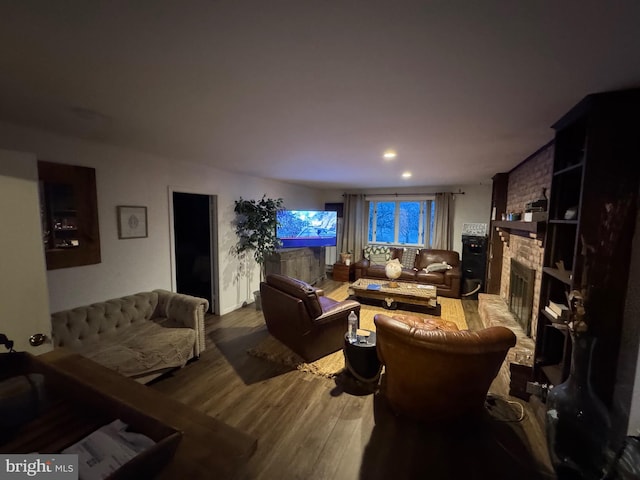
x,y
406,296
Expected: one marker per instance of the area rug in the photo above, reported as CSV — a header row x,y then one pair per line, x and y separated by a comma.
x,y
271,349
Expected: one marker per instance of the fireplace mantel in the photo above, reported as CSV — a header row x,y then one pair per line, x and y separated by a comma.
x,y
534,230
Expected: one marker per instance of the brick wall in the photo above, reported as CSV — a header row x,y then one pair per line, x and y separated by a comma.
x,y
525,185
528,179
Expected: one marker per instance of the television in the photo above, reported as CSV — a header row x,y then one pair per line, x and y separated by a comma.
x,y
307,228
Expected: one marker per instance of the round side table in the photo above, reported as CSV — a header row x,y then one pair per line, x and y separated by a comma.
x,y
361,358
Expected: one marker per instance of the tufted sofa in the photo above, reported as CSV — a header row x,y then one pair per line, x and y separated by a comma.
x,y
414,261
140,336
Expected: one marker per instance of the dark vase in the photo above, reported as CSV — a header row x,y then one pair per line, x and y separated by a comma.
x,y
578,422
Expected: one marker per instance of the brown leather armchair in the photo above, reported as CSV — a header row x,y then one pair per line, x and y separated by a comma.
x,y
302,318
435,375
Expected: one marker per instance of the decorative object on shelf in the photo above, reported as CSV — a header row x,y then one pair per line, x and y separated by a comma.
x,y
132,222
571,213
539,205
577,421
393,270
479,229
345,257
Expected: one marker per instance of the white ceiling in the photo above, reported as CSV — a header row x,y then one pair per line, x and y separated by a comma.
x,y
313,91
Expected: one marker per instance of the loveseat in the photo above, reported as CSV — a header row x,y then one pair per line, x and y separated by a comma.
x,y
140,336
444,270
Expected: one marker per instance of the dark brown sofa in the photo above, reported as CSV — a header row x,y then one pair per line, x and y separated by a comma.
x,y
447,282
302,318
434,375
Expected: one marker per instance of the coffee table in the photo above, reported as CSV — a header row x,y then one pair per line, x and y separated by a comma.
x,y
406,296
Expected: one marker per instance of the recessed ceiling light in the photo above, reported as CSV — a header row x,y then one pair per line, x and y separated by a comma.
x,y
406,175
390,154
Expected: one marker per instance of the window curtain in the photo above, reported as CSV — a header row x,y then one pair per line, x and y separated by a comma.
x,y
355,223
442,235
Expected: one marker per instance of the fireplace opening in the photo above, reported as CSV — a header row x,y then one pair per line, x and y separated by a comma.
x,y
521,283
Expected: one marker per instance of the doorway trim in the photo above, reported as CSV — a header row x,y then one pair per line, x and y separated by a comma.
x,y
213,248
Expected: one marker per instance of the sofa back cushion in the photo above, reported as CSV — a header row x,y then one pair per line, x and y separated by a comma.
x,y
427,257
409,256
81,326
298,289
377,254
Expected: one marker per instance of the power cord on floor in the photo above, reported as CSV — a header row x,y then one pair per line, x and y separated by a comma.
x,y
491,402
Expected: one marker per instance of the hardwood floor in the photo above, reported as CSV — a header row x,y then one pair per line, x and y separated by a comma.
x,y
310,427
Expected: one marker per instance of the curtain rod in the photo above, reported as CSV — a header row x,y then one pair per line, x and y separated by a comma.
x,y
459,192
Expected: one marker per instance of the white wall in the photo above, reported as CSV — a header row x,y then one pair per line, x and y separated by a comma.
x,y
472,207
128,177
24,303
627,390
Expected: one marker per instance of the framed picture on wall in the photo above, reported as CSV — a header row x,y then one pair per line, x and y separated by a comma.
x,y
132,222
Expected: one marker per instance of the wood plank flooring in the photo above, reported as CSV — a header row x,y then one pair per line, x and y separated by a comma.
x,y
310,427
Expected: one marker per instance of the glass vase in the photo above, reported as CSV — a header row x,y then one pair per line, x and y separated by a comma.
x,y
577,421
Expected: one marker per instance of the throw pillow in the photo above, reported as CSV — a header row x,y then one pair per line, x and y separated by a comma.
x,y
438,267
379,258
408,259
379,251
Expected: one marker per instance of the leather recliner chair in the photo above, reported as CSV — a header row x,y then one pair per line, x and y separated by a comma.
x,y
435,375
302,318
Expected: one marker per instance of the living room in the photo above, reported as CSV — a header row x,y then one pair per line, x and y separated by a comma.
x,y
76,130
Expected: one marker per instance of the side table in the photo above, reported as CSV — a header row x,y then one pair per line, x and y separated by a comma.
x,y
343,272
361,358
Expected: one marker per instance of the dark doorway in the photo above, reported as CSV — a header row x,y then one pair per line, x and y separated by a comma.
x,y
194,231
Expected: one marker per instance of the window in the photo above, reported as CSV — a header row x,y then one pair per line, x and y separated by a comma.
x,y
401,222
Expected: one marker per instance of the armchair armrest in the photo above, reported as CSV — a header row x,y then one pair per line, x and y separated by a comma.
x,y
337,309
184,311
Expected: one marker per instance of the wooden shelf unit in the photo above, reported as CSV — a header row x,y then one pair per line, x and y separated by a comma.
x,y
592,213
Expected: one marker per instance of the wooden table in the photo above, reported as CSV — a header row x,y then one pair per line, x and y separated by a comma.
x,y
208,448
343,272
406,296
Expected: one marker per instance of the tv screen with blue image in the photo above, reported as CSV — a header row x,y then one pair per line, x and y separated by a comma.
x,y
307,228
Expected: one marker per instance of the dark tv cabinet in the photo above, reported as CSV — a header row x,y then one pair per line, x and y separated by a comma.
x,y
307,264
592,216
69,215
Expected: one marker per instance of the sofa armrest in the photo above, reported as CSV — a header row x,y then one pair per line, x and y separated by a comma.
x,y
361,267
451,275
453,279
184,310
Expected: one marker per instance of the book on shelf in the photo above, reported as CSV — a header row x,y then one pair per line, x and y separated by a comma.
x,y
551,313
561,310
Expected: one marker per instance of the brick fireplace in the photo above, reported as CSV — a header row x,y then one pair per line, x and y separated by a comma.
x,y
525,184
521,287
527,254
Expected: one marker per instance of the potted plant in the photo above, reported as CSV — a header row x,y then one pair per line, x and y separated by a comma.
x,y
256,222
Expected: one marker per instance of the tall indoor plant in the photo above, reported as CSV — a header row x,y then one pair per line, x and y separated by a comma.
x,y
256,222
